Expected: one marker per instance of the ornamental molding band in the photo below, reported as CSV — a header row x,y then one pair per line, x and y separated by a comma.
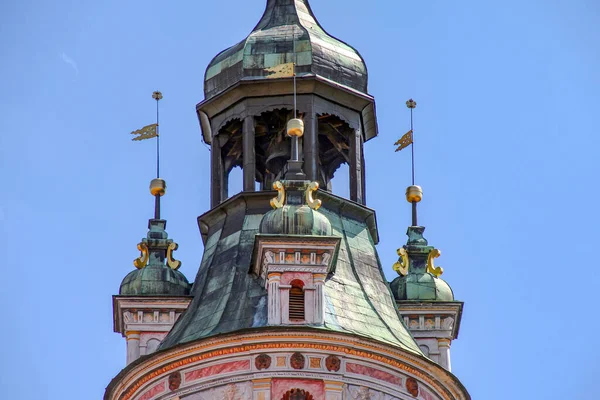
x,y
212,364
273,253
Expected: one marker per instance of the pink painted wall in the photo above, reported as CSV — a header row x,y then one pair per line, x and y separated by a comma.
x,y
288,277
373,373
156,390
217,370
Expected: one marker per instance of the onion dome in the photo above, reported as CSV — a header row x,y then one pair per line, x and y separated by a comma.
x,y
287,27
419,279
290,216
295,220
421,287
155,280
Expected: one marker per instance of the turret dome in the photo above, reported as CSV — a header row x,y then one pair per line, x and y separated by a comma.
x,y
155,280
422,287
285,26
295,220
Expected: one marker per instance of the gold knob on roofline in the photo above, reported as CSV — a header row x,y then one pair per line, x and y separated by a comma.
x,y
295,127
414,194
158,187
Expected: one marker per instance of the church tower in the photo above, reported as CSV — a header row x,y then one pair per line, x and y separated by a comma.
x,y
290,301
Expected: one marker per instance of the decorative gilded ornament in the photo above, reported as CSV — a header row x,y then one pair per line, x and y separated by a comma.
x,y
414,194
401,266
411,103
147,132
435,271
142,260
158,187
171,262
157,95
404,141
295,127
277,202
280,71
310,200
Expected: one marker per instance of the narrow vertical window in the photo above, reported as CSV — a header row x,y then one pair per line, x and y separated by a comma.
x,y
296,304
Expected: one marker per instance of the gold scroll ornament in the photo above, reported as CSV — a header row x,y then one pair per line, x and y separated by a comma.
x,y
171,262
310,200
435,271
277,202
401,266
142,260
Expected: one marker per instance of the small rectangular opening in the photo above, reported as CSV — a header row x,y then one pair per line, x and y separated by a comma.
x,y
296,304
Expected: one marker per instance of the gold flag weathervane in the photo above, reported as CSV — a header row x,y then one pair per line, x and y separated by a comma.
x,y
280,71
404,141
407,139
147,132
151,131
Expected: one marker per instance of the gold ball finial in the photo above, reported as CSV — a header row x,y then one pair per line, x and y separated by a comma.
x,y
414,194
158,187
295,127
157,95
411,103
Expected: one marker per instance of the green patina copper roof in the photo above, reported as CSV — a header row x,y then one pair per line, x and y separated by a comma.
x,y
227,298
419,284
271,43
156,278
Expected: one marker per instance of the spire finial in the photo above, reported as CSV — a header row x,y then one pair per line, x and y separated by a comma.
x,y
158,186
414,193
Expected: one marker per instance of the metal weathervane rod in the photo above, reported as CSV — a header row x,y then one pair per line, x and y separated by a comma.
x,y
412,105
157,96
295,128
158,186
414,193
294,68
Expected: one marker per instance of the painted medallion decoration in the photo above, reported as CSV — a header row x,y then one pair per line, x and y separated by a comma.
x,y
174,381
412,386
297,361
333,363
263,361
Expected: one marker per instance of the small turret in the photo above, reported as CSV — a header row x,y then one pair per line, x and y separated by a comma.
x,y
424,299
153,296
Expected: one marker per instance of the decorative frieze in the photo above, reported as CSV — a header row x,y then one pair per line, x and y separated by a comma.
x,y
145,321
433,325
219,362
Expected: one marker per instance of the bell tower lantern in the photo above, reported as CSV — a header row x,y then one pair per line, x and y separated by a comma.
x,y
249,97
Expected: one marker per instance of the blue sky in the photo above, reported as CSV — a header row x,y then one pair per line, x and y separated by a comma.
x,y
507,155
